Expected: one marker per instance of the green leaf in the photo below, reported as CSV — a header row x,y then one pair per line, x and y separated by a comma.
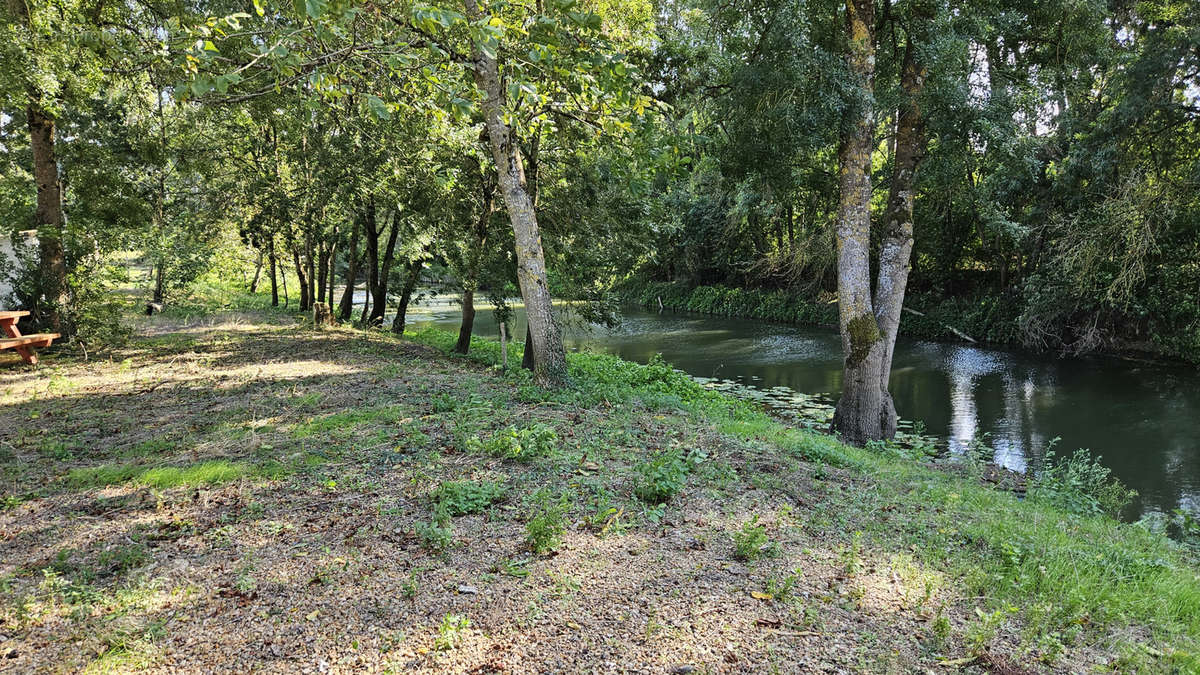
x,y
378,108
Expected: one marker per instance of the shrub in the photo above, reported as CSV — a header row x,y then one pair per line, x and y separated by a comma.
x,y
1081,485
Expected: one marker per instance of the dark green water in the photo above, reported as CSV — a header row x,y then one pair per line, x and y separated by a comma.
x,y
1144,419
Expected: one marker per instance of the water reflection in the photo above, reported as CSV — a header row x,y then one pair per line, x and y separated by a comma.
x,y
1142,418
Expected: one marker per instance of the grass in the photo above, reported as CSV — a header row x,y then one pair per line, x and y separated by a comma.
x,y
632,473
1064,570
212,472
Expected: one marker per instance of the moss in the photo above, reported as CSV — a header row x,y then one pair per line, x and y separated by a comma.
x,y
864,333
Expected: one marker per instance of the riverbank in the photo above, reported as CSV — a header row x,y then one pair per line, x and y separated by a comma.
x,y
235,490
989,319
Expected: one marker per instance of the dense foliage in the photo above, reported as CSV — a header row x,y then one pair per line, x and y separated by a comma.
x,y
329,144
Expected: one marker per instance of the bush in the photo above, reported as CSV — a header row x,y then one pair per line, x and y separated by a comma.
x,y
1081,485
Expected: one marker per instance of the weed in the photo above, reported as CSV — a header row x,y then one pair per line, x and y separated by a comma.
x,y
983,631
941,628
661,477
752,542
450,633
545,527
513,568
122,559
460,498
782,588
537,440
1081,485
410,587
437,535
850,557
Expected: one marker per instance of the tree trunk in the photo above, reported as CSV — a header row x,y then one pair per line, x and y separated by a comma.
x,y
305,300
283,280
53,294
160,282
471,280
896,251
791,228
550,363
385,270
347,304
274,273
371,226
258,265
860,410
331,273
322,272
468,322
410,285
309,281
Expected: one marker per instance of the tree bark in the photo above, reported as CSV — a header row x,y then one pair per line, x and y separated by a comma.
x,y
470,282
379,306
371,225
406,293
305,301
331,273
160,282
896,252
322,272
258,265
860,410
54,295
550,362
309,281
352,259
274,273
468,322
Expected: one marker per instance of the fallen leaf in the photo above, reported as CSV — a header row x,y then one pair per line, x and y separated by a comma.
x,y
761,596
313,616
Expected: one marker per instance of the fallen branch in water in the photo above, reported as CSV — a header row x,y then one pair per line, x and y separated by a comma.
x,y
952,329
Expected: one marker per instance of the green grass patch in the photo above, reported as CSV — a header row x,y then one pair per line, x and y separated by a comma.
x,y
342,421
206,473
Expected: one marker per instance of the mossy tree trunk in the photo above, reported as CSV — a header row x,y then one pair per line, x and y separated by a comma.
x,y
865,412
896,251
546,344
859,412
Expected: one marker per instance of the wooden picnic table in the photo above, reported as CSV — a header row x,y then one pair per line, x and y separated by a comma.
x,y
11,338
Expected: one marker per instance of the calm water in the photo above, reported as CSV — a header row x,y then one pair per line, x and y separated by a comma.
x,y
1144,419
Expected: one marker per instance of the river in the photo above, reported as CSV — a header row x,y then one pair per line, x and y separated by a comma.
x,y
1143,418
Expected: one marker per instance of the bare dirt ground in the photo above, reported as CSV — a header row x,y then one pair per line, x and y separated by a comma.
x,y
243,495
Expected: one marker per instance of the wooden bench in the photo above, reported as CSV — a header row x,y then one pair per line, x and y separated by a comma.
x,y
24,344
